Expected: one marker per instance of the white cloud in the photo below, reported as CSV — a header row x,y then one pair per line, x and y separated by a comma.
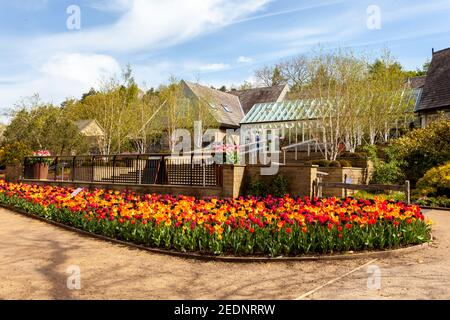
x,y
154,24
62,76
81,68
110,5
82,57
244,59
211,67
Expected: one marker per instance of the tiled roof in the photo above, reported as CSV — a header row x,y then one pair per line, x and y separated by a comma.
x,y
254,96
90,127
436,91
225,107
417,82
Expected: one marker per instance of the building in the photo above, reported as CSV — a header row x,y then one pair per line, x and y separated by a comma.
x,y
230,108
250,97
93,132
434,90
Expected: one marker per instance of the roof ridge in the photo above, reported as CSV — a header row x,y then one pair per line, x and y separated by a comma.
x,y
440,51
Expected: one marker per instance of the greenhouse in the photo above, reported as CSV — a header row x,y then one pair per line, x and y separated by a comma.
x,y
295,123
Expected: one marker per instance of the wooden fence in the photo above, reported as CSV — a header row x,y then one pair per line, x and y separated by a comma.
x,y
319,184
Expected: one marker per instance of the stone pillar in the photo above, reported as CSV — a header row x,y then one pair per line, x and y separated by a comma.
x,y
233,180
13,173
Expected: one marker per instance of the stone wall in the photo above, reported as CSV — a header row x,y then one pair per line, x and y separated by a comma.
x,y
140,189
234,177
13,173
300,177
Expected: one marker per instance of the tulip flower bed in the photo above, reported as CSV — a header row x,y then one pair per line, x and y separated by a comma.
x,y
243,226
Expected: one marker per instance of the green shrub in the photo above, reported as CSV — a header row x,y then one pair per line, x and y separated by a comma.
x,y
354,155
345,163
14,153
386,173
438,202
436,182
257,188
280,186
396,196
422,149
322,163
335,164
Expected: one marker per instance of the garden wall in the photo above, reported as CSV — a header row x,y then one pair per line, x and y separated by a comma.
x,y
13,173
140,189
300,177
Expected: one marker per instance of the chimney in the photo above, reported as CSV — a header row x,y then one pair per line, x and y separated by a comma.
x,y
432,50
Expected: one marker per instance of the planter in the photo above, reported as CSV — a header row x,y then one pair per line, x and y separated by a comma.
x,y
40,171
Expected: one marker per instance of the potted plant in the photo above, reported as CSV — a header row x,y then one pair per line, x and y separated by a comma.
x,y
40,165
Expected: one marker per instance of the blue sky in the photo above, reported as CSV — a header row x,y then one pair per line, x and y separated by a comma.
x,y
214,41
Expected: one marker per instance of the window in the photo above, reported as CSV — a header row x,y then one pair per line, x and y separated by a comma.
x,y
226,108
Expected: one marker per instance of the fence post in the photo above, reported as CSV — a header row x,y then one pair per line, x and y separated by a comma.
x,y
92,167
73,168
345,189
137,169
24,171
114,169
56,170
319,187
314,187
192,166
408,191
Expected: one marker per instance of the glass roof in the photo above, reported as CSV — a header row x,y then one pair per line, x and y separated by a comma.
x,y
282,111
297,110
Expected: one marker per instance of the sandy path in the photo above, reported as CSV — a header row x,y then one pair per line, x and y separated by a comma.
x,y
35,256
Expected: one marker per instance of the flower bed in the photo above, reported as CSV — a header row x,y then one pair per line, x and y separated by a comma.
x,y
243,226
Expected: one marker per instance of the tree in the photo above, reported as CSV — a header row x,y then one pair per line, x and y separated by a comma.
x,y
14,153
44,127
112,106
423,149
246,85
270,76
419,72
352,98
277,77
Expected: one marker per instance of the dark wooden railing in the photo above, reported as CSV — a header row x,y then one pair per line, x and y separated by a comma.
x,y
319,184
140,169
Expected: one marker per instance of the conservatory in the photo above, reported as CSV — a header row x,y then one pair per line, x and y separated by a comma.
x,y
295,123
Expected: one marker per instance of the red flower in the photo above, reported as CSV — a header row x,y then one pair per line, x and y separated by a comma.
x,y
288,230
252,230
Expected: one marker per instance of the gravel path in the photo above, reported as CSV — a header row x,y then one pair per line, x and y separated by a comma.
x,y
36,259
